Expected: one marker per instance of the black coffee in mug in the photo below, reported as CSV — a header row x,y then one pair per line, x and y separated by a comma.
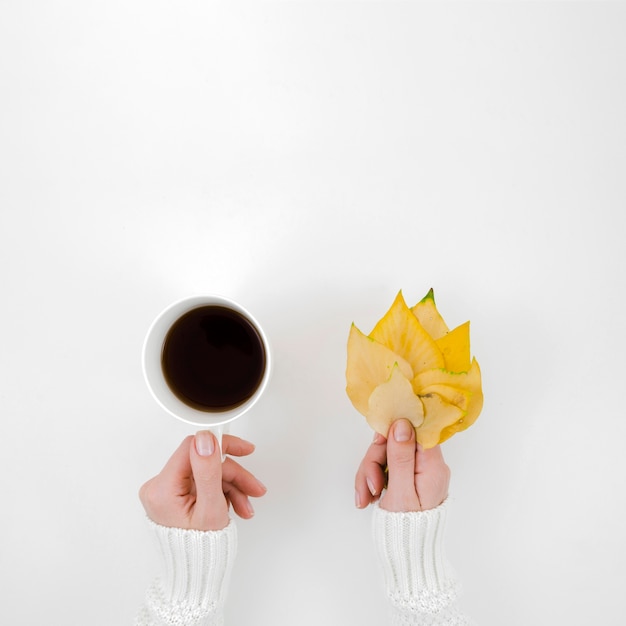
x,y
213,358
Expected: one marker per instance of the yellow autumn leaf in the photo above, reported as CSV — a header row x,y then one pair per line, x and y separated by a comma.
x,y
392,400
401,332
438,415
455,347
369,364
452,395
470,381
429,317
412,366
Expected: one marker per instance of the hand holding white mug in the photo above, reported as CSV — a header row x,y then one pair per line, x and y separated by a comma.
x,y
194,489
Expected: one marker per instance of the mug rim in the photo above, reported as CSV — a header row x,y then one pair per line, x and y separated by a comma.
x,y
153,372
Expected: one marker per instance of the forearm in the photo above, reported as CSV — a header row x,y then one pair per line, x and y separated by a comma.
x,y
420,584
196,573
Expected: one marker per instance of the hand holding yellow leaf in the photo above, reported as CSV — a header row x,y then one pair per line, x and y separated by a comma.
x,y
411,366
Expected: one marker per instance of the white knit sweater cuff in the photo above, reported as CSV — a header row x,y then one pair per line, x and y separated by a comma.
x,y
197,568
410,547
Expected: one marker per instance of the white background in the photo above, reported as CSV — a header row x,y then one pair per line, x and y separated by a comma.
x,y
310,160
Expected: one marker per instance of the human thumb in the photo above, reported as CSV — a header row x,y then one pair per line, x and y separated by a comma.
x,y
401,494
210,509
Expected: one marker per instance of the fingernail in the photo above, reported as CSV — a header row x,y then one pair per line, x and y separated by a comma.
x,y
402,431
250,509
370,486
357,499
204,443
378,438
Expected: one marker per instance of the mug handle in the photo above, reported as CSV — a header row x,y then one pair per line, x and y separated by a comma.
x,y
218,431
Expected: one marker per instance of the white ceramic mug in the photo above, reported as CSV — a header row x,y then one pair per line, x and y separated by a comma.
x,y
213,419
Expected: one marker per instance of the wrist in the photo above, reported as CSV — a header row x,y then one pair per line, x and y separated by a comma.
x,y
410,547
196,565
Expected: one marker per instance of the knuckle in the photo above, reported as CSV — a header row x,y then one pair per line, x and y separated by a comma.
x,y
401,460
206,480
144,492
150,497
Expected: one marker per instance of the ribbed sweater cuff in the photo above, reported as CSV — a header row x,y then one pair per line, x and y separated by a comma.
x,y
410,548
197,567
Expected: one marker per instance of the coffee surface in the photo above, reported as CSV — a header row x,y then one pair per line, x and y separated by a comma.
x,y
213,358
